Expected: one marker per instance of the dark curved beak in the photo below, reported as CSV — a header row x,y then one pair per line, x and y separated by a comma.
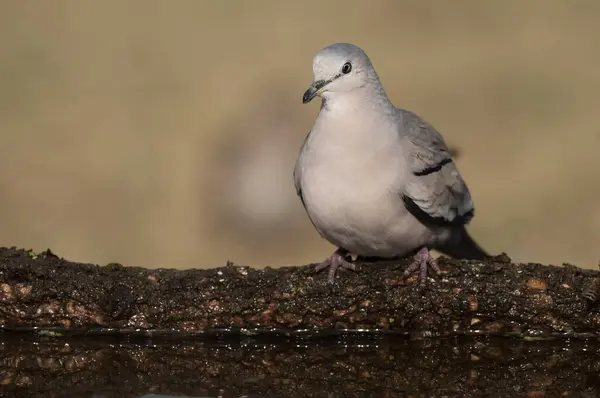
x,y
315,89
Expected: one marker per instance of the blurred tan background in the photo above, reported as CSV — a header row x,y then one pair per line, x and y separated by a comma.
x,y
164,133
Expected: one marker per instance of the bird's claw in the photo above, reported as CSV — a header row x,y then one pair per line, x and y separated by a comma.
x,y
333,262
422,261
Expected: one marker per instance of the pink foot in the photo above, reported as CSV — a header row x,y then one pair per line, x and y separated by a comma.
x,y
422,261
337,259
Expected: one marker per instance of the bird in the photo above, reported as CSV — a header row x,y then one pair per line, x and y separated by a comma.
x,y
376,180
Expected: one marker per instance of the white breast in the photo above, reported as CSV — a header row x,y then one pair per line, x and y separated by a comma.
x,y
351,180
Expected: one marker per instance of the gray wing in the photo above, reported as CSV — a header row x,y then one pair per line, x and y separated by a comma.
x,y
434,192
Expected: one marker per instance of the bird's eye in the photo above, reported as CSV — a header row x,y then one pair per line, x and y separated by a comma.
x,y
346,68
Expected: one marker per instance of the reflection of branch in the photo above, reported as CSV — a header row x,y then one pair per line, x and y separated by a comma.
x,y
495,297
258,368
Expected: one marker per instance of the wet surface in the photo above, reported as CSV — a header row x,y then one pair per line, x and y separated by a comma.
x,y
274,367
494,297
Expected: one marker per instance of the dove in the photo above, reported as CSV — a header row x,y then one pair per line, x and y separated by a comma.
x,y
376,180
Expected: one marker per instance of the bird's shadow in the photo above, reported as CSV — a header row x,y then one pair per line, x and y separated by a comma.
x,y
385,260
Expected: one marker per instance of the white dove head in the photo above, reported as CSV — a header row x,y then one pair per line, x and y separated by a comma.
x,y
340,68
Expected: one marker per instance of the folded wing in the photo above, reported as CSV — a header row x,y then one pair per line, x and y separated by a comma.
x,y
434,192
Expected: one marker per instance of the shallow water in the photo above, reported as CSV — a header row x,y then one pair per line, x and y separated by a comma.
x,y
267,367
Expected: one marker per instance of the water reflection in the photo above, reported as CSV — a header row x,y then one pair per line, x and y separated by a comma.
x,y
262,367
168,396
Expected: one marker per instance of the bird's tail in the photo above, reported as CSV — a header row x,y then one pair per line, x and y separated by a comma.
x,y
462,246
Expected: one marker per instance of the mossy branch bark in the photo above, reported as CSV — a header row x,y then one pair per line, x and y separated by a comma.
x,y
494,297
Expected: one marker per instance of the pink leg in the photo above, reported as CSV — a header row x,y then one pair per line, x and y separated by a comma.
x,y
422,261
337,259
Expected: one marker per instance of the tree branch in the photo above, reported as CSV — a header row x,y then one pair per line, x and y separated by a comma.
x,y
496,297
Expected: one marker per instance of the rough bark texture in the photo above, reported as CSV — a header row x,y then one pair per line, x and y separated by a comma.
x,y
49,295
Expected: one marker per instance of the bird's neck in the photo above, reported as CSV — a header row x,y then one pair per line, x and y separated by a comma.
x,y
360,100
